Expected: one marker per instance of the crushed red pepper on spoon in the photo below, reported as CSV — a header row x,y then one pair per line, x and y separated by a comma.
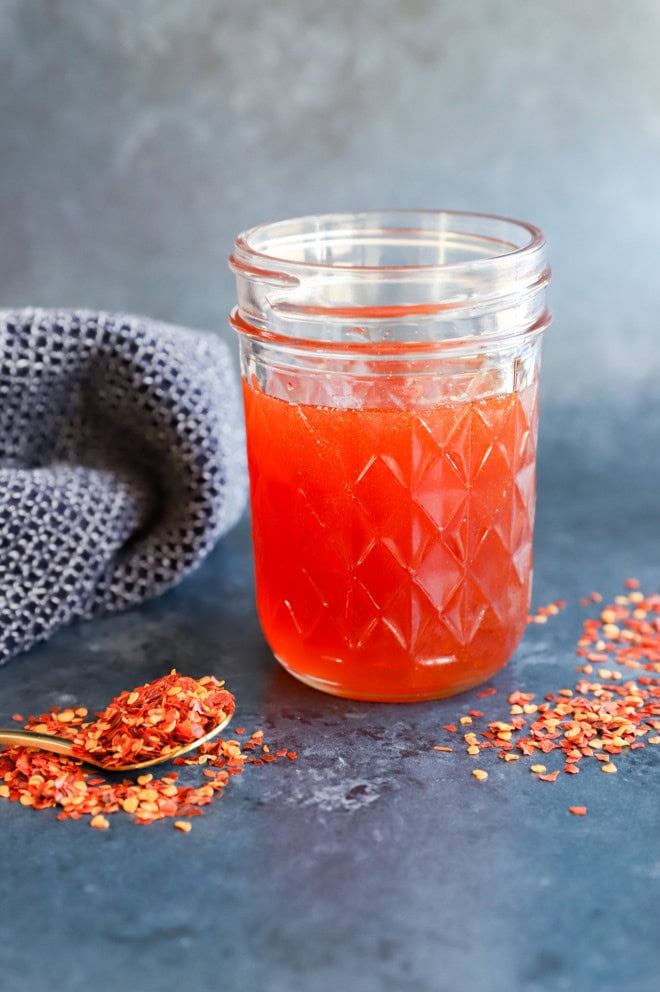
x,y
152,720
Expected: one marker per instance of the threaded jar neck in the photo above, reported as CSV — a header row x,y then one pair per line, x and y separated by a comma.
x,y
433,277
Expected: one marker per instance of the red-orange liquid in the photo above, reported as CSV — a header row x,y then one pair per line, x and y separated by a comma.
x,y
393,548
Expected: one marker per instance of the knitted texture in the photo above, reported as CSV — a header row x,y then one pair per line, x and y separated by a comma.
x,y
121,463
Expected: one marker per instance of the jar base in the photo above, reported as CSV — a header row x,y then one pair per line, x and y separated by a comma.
x,y
345,692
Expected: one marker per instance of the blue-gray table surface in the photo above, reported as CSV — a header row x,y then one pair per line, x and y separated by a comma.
x,y
372,861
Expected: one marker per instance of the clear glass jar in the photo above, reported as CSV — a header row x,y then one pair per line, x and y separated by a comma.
x,y
390,368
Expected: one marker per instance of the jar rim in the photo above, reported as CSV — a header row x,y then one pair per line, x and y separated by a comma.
x,y
252,255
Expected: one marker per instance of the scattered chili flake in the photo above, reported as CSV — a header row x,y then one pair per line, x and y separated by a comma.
x,y
439,747
578,810
600,716
43,780
543,612
183,825
479,774
486,692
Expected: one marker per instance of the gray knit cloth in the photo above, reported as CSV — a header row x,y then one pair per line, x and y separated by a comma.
x,y
121,463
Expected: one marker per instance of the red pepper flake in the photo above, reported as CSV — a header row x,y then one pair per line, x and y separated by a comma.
x,y
486,692
165,711
543,612
17,717
578,810
451,727
439,747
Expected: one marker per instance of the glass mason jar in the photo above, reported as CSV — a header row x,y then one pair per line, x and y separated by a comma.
x,y
390,367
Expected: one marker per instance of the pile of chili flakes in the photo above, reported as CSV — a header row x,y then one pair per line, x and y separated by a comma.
x,y
169,712
608,713
154,720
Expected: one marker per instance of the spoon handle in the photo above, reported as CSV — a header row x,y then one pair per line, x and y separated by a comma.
x,y
31,738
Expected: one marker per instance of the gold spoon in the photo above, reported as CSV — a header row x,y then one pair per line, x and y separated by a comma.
x,y
60,745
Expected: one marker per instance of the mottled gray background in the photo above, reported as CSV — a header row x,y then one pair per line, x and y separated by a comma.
x,y
138,137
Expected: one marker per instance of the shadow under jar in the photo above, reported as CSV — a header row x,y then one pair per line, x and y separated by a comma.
x,y
390,368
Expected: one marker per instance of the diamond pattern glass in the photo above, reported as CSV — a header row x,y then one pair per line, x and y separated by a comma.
x,y
393,547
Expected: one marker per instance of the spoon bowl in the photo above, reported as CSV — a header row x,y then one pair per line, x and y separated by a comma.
x,y
60,745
